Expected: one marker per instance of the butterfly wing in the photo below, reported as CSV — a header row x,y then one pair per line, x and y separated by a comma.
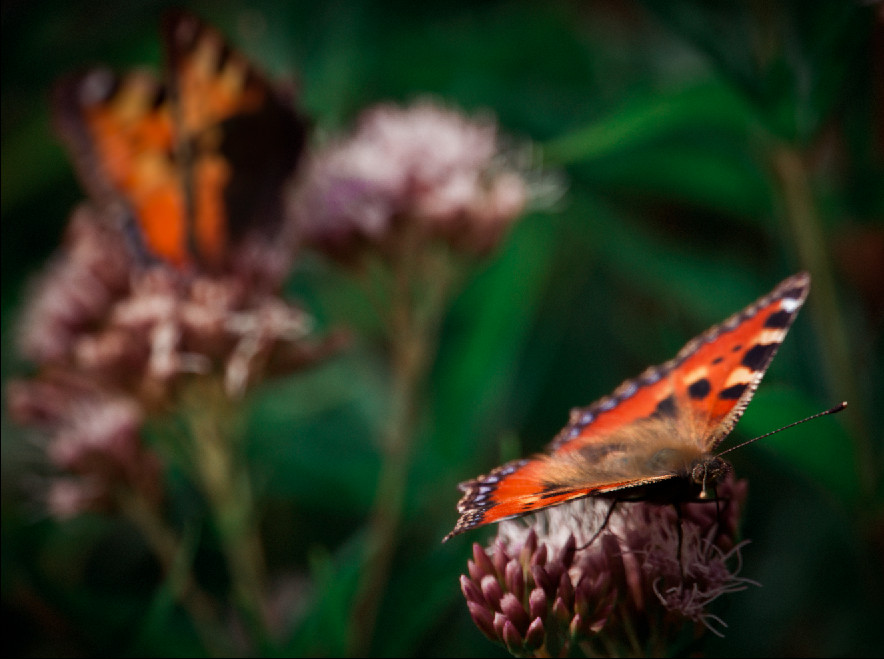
x,y
191,162
120,133
239,138
651,427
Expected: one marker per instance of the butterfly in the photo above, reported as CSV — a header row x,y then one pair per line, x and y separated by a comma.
x,y
653,438
191,164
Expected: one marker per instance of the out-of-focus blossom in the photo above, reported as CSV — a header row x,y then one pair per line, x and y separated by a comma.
x,y
77,289
94,440
115,339
141,329
423,167
552,588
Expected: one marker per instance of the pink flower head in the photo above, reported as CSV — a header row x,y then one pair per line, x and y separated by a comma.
x,y
423,165
94,442
141,330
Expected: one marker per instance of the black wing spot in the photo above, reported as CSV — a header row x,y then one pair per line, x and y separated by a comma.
x,y
757,357
778,319
737,347
717,360
665,407
733,392
699,389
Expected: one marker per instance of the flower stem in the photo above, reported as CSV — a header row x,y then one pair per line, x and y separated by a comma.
x,y
175,561
226,483
420,285
804,224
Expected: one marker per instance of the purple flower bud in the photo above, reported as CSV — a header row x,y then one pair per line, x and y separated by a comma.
x,y
499,559
483,563
561,610
515,579
499,621
491,590
566,590
536,635
538,603
539,556
476,573
471,591
512,638
514,611
566,555
484,620
543,580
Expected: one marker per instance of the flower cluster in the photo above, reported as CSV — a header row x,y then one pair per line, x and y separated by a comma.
x,y
116,340
94,442
557,586
422,167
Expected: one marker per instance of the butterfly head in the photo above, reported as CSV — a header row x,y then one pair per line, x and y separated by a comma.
x,y
706,473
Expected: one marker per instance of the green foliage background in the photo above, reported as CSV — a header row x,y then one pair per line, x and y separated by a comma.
x,y
710,149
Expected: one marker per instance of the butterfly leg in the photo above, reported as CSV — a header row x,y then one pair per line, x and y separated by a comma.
x,y
602,527
679,521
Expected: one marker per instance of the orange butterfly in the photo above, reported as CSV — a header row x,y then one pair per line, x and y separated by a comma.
x,y
192,163
653,438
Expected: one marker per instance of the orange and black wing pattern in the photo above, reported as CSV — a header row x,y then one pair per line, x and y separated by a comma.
x,y
192,161
652,427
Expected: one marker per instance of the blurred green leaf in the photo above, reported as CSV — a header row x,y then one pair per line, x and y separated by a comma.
x,y
487,327
644,120
822,450
791,59
323,629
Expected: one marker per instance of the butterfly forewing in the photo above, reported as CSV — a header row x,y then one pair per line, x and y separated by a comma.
x,y
651,428
194,160
239,138
718,372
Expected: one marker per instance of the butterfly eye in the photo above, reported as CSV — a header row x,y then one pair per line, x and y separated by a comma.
x,y
699,474
707,473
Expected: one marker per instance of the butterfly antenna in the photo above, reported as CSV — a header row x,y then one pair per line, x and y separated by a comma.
x,y
834,410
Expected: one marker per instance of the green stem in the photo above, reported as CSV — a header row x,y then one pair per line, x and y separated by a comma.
x,y
226,483
175,562
806,229
419,296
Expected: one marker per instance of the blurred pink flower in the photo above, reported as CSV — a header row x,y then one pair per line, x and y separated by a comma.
x,y
141,329
94,442
424,165
115,339
77,289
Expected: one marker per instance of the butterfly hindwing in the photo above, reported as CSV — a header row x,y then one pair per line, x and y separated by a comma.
x,y
651,428
193,161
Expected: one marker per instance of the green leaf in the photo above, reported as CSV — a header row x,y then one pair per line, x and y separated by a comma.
x,y
642,121
822,450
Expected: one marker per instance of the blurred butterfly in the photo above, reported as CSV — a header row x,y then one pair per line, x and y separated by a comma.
x,y
654,437
190,164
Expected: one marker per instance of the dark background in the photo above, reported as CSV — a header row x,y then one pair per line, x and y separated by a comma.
x,y
708,149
